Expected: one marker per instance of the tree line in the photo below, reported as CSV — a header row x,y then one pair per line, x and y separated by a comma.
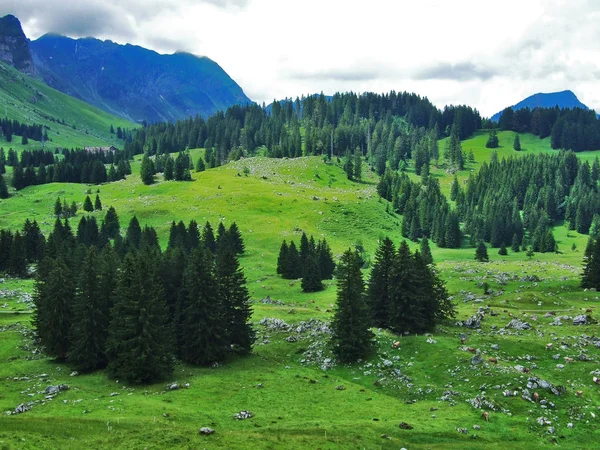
x,y
9,127
313,262
118,302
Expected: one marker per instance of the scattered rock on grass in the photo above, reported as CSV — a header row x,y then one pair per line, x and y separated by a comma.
x,y
206,431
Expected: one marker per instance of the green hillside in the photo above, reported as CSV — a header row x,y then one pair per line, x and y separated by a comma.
x,y
30,101
428,382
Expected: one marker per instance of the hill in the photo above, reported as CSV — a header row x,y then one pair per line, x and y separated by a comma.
x,y
70,122
14,48
563,99
133,82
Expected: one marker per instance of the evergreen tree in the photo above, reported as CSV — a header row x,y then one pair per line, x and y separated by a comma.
x,y
53,317
426,251
454,189
293,266
17,263
282,259
233,295
325,260
208,238
203,333
111,226
349,166
169,168
516,243
200,166
98,203
90,317
352,338
311,279
147,170
502,251
3,188
133,235
517,143
18,180
139,345
87,204
380,283
492,141
236,238
58,209
481,253
357,169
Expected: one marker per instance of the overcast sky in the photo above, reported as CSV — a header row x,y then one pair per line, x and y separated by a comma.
x,y
450,51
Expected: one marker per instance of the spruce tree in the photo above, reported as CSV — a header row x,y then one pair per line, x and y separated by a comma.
x,y
98,203
169,167
293,267
87,204
58,209
325,260
17,263
516,243
282,259
236,238
202,328
193,236
90,317
311,279
403,309
517,143
233,295
591,270
380,283
53,316
147,170
111,226
426,251
139,345
352,338
502,251
481,253
454,189
208,238
200,166
3,188
133,235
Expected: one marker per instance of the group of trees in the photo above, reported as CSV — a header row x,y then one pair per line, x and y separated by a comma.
x,y
426,210
569,128
177,169
21,248
8,128
103,300
313,262
404,294
75,166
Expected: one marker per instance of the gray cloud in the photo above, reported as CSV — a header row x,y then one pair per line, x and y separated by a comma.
x,y
342,74
464,71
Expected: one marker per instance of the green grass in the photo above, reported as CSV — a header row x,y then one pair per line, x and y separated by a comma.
x,y
32,102
280,199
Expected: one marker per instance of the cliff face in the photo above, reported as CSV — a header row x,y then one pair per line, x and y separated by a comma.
x,y
14,47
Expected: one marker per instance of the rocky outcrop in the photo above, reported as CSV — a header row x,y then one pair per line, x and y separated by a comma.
x,y
14,46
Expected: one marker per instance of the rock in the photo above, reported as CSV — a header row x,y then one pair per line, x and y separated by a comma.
x,y
385,436
476,360
20,409
543,421
51,390
206,431
476,427
242,415
580,320
495,347
473,322
516,324
462,430
74,373
405,426
172,387
114,394
551,430
259,386
341,387
570,425
387,363
560,366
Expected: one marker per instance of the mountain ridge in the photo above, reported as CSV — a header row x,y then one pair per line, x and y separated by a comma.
x,y
14,46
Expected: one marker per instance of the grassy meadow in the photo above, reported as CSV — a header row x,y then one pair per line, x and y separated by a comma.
x,y
299,399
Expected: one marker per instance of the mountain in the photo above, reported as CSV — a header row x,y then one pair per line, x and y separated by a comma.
x,y
14,47
564,99
69,122
133,82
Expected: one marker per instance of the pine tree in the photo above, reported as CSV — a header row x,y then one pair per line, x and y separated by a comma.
x,y
282,259
352,338
169,167
293,267
200,166
380,283
90,317
147,170
325,260
203,333
426,251
357,165
492,141
111,226
233,295
87,204
236,238
98,203
208,238
139,345
517,143
133,235
17,263
53,317
3,188
591,270
58,209
502,251
481,253
454,189
311,279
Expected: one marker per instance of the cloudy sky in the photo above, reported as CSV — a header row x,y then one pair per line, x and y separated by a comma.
x,y
450,51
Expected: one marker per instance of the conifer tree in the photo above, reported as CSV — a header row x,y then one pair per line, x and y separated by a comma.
x,y
304,249
87,204
203,334
233,295
352,338
236,238
481,253
516,243
169,167
200,166
325,260
454,189
208,238
98,203
133,235
139,345
147,170
502,251
311,279
193,236
517,143
426,251
3,188
282,259
58,209
111,226
380,283
357,166
17,264
90,317
53,317
293,267
402,310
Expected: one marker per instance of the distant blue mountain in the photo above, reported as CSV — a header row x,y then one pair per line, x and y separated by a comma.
x,y
133,82
564,99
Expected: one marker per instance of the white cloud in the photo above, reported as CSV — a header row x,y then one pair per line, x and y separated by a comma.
x,y
452,52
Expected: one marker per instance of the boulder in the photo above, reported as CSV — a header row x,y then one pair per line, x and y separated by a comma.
x,y
516,324
242,415
476,360
405,426
205,431
473,322
580,320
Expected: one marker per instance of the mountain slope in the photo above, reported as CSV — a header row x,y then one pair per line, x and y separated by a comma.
x,y
564,99
14,48
70,122
133,82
